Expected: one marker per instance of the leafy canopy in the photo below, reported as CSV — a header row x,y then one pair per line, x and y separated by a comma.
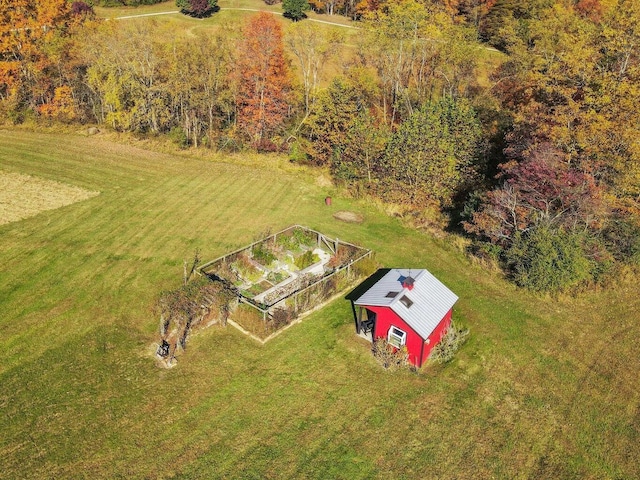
x,y
431,154
294,9
264,80
197,8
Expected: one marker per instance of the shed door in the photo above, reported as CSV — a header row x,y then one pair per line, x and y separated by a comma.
x,y
369,324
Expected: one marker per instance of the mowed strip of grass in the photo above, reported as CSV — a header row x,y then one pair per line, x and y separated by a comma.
x,y
544,389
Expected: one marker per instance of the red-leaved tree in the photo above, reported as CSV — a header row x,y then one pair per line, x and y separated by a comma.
x,y
197,8
540,190
264,81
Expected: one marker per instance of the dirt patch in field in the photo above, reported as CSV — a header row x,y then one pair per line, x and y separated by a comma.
x,y
349,217
23,196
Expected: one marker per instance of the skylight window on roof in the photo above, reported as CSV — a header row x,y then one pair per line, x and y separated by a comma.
x,y
392,294
406,301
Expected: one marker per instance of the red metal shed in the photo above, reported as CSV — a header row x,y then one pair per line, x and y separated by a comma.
x,y
405,306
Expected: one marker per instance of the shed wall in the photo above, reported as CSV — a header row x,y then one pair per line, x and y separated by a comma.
x,y
385,318
437,334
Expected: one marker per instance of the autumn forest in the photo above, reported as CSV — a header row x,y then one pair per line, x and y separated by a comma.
x,y
515,124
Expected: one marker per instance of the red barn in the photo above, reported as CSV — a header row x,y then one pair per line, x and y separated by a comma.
x,y
407,307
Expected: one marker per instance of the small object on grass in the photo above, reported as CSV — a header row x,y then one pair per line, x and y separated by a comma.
x,y
163,349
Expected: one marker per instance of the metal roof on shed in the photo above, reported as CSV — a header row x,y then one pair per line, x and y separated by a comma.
x,y
431,299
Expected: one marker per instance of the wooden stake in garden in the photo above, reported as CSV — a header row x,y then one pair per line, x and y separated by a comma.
x,y
194,265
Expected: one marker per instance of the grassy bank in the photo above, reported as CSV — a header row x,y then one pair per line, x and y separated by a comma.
x,y
545,388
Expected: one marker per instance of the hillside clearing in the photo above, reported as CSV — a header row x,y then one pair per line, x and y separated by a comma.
x,y
544,388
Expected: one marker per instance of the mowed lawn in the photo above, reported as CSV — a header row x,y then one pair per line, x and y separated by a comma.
x,y
545,388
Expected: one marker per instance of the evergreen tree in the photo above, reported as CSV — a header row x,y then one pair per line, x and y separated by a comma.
x,y
294,9
545,259
197,8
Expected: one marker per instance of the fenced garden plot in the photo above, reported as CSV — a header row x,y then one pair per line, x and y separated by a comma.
x,y
286,274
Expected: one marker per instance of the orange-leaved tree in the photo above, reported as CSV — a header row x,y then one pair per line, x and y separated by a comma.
x,y
264,85
23,24
61,107
33,50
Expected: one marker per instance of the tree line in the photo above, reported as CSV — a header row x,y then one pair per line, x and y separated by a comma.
x,y
531,150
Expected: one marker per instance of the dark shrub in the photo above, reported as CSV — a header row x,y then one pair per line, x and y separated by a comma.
x,y
81,8
543,259
622,239
280,318
263,255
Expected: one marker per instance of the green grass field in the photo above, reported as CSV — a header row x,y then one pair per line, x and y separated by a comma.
x,y
228,9
545,388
